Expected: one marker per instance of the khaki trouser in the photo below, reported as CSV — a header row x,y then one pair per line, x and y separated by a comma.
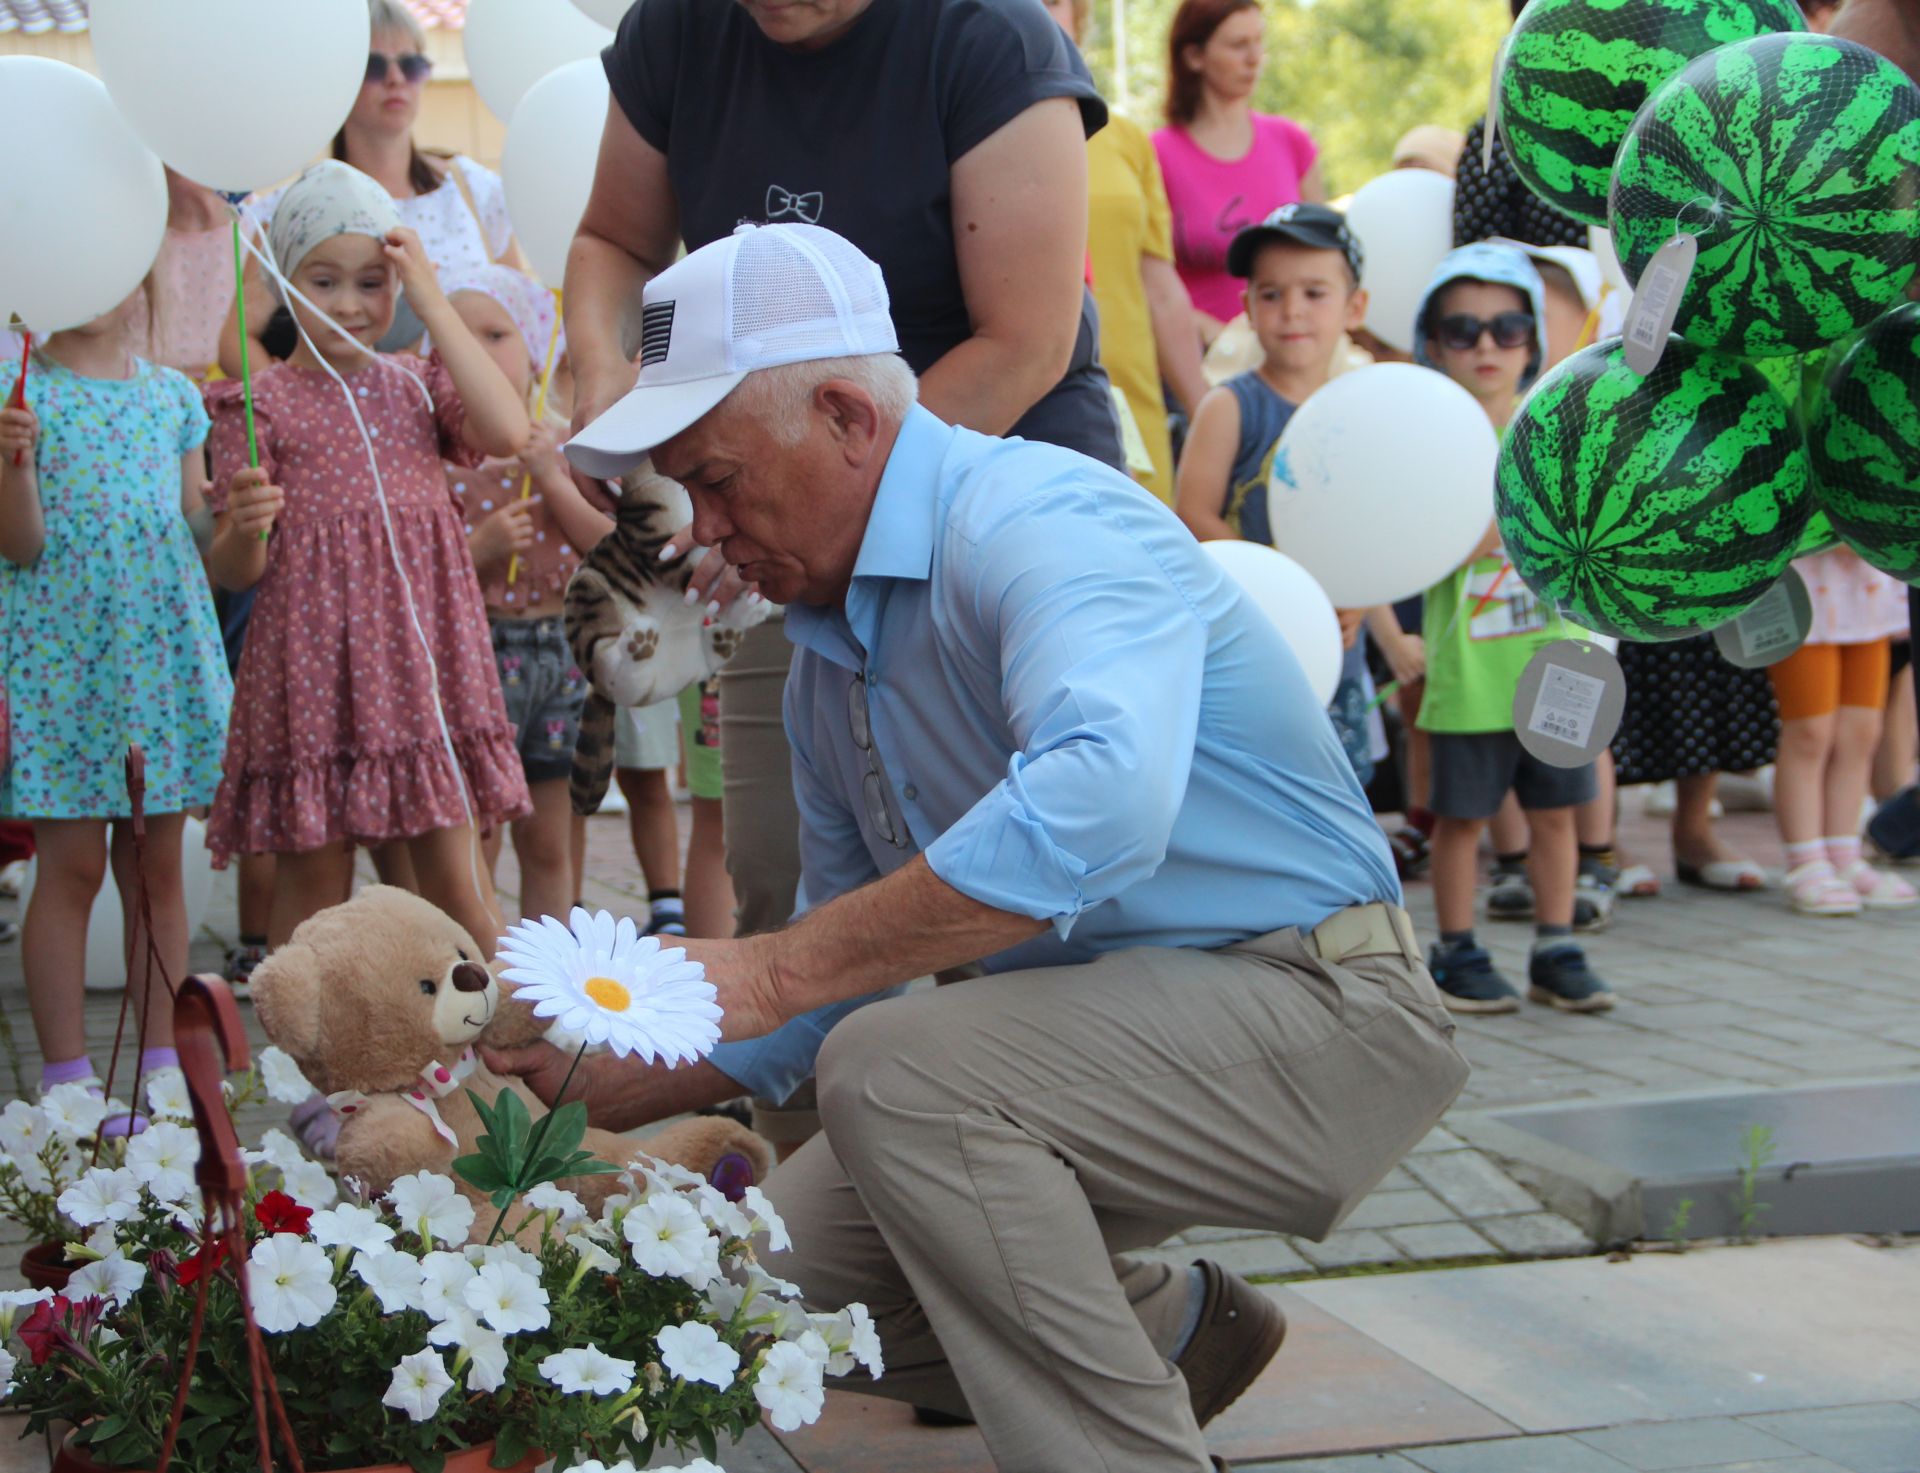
x,y
992,1148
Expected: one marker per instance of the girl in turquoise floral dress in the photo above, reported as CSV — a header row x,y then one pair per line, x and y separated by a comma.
x,y
107,637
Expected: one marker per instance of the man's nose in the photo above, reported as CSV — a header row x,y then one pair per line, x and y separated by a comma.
x,y
710,527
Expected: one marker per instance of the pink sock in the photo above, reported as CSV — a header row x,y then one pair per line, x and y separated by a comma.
x,y
1843,851
71,1072
1807,853
153,1060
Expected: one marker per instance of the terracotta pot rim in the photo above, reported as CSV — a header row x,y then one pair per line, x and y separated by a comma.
x,y
474,1459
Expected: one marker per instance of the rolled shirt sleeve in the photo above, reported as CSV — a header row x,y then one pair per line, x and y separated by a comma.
x,y
1101,661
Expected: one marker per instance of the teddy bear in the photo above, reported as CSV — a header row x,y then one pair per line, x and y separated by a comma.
x,y
384,1001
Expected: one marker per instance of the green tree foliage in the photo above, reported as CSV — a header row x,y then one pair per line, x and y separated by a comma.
x,y
1356,73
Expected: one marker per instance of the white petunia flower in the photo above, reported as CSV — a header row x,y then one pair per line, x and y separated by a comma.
x,y
757,1293
456,1328
7,1363
348,1226
393,1277
282,1077
101,1241
419,1383
487,1366
292,1283
698,1465
482,1254
34,1175
586,1368
604,979
443,1284
73,1111
727,1220
670,1240
509,1299
111,1278
850,1339
670,1174
789,1387
12,1301
694,1352
24,1130
429,1204
162,1158
167,1095
309,1184
865,1343
593,1258
594,1465
104,1194
766,1220
278,1150
548,1198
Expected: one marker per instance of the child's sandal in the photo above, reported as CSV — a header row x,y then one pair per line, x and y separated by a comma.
x,y
1879,890
1815,889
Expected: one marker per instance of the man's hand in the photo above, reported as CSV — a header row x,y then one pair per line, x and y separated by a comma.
x,y
620,1094
742,973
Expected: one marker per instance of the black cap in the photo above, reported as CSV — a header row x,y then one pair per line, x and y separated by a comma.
x,y
1315,226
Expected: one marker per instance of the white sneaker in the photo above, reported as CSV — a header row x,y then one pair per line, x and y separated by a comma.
x,y
13,874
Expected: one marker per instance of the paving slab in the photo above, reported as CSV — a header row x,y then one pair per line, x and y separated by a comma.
x,y
1866,1439
1706,1442
1585,1343
1529,1455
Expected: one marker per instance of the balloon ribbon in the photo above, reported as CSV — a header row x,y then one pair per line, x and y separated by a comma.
x,y
539,414
19,398
246,358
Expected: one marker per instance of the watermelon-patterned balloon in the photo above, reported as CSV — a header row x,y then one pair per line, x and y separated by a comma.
x,y
1864,438
1657,507
1794,161
1574,72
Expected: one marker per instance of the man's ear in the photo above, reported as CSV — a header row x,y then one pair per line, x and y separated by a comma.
x,y
853,419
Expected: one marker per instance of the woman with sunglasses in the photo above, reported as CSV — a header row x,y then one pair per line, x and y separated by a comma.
x,y
457,207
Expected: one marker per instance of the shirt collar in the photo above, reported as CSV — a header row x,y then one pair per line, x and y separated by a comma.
x,y
899,537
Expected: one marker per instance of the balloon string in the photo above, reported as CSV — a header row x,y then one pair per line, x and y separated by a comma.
x,y
19,399
1589,331
246,358
539,414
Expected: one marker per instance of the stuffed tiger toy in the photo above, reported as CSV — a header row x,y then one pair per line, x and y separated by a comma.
x,y
631,630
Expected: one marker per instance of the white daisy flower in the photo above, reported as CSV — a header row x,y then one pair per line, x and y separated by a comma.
x,y
111,1278
789,1387
670,1240
766,1220
73,1111
586,1368
695,1352
429,1204
104,1194
593,1258
282,1077
348,1226
23,1130
443,1283
548,1198
310,1184
487,1363
604,979
162,1158
393,1277
167,1095
419,1383
292,1283
509,1299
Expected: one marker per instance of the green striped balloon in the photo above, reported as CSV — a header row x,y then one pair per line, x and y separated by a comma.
x,y
1652,508
1574,72
1864,439
1794,160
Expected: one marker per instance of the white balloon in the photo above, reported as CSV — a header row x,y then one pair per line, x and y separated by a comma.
x,y
83,200
547,165
106,961
606,12
237,94
1299,608
511,44
1404,220
1383,483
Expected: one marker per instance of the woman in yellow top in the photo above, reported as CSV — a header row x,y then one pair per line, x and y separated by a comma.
x,y
1146,319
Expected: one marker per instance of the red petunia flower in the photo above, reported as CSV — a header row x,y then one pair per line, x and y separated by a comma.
x,y
41,1331
207,1260
279,1213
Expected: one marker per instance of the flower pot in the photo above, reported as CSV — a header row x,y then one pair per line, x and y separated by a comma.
x,y
476,1459
45,1266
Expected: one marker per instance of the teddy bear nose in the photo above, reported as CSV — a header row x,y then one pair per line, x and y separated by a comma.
x,y
471,977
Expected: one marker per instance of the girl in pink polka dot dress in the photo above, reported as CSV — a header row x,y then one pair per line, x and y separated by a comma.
x,y
365,612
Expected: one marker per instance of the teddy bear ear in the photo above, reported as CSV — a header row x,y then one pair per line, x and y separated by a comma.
x,y
286,996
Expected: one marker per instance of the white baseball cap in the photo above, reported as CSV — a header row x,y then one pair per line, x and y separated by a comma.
x,y
763,296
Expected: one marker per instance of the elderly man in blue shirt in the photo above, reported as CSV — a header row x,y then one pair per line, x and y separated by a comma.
x,y
1036,727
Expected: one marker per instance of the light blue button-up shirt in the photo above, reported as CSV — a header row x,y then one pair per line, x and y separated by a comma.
x,y
1071,710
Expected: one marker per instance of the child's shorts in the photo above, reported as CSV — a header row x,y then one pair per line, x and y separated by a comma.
x,y
1818,679
647,738
545,693
700,737
1472,772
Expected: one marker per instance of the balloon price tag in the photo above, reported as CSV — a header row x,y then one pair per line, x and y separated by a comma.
x,y
1569,702
1656,302
1773,627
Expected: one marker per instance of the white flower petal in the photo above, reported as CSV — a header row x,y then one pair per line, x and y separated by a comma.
x,y
419,1383
291,1281
394,1278
282,1077
789,1387
695,1352
586,1368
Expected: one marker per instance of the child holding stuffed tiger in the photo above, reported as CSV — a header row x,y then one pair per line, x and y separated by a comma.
x,y
525,549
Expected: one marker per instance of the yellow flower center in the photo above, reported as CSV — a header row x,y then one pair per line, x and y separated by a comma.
x,y
608,993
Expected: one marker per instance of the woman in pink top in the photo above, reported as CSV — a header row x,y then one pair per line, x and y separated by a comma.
x,y
1226,166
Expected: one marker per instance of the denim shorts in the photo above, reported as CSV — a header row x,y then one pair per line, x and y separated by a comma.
x,y
545,692
1472,772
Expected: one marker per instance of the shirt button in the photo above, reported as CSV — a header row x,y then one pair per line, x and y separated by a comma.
x,y
912,792
873,680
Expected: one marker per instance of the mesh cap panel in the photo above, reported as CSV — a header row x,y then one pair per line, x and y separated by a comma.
x,y
799,292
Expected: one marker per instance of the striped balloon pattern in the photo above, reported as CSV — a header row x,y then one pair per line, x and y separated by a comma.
x,y
1864,439
1652,508
1574,72
1794,160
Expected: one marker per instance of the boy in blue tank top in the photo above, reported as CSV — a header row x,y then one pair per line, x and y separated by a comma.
x,y
1302,269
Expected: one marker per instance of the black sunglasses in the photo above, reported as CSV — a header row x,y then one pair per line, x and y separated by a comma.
x,y
413,66
1461,330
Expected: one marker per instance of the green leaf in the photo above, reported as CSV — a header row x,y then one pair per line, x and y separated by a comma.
x,y
511,1124
481,1173
106,1429
503,1198
509,1447
566,1128
430,1460
482,1109
709,1447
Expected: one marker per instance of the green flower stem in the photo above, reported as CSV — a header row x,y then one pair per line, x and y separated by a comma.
x,y
539,1136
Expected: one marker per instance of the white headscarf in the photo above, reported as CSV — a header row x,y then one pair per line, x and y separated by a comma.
x,y
330,199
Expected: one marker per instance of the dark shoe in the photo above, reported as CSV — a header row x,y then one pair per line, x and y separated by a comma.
x,y
1561,979
1411,855
241,961
1593,895
1895,827
9,932
1468,982
1510,894
1240,1330
665,926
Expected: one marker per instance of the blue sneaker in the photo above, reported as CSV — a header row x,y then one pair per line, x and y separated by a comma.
x,y
1468,982
1560,978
